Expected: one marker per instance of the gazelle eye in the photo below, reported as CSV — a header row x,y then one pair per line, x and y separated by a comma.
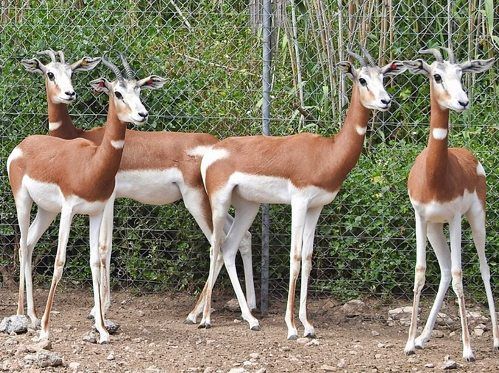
x,y
51,76
438,78
118,95
362,82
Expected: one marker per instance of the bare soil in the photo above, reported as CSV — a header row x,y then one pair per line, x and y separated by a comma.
x,y
153,336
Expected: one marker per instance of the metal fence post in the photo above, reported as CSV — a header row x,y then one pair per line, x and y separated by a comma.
x,y
266,83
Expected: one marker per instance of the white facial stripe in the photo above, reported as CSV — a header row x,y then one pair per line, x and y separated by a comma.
x,y
118,144
54,125
439,133
361,130
479,170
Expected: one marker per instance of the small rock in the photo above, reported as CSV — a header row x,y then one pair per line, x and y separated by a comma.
x,y
254,355
449,363
328,368
237,370
478,332
208,370
400,313
354,307
444,319
232,305
74,366
141,313
14,324
437,333
237,321
152,369
378,356
110,356
429,365
452,334
90,337
374,333
341,363
313,342
302,340
247,363
44,359
261,370
111,326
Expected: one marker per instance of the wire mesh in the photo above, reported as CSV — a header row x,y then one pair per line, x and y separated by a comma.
x,y
210,52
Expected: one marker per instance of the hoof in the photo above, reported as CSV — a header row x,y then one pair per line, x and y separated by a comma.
x,y
90,316
409,352
292,337
189,322
255,328
310,335
470,358
204,326
104,341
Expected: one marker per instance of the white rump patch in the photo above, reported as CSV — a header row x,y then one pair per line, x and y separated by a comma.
x,y
118,144
439,133
16,153
198,151
210,157
361,130
54,125
479,170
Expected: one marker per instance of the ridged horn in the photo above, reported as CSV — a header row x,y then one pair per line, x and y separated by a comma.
x,y
435,52
357,57
128,70
50,53
113,68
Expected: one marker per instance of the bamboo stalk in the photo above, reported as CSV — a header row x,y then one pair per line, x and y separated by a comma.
x,y
294,30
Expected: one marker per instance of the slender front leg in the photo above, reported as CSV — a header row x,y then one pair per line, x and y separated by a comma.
x,y
42,221
439,243
477,223
60,260
97,268
457,283
418,281
298,214
308,248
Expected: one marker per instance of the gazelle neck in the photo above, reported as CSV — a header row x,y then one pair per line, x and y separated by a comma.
x,y
350,140
436,161
108,156
60,123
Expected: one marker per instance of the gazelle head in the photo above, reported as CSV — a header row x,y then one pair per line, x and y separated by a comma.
x,y
58,74
445,77
369,79
125,92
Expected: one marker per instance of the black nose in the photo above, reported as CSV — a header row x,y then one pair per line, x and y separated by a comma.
x,y
144,114
70,93
386,102
464,103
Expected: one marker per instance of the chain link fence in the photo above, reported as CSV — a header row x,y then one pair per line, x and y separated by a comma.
x,y
210,53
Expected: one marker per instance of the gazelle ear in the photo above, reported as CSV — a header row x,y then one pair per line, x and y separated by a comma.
x,y
34,65
348,69
394,68
85,64
476,66
101,85
152,82
417,66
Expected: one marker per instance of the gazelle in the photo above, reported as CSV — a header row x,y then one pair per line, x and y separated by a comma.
x,y
76,177
445,184
156,168
304,170
60,93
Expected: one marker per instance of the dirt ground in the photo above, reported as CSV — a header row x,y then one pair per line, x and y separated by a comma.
x,y
153,338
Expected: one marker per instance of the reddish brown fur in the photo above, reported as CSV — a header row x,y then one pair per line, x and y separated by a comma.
x,y
305,159
442,174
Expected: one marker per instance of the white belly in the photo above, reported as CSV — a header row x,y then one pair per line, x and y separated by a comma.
x,y
277,190
438,212
154,187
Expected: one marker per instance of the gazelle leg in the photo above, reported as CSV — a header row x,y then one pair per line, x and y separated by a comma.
x,y
60,260
439,243
477,223
42,221
418,281
245,214
298,214
105,249
308,248
457,283
23,209
96,267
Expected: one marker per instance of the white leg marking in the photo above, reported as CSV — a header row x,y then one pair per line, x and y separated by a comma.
x,y
439,133
361,130
54,125
118,144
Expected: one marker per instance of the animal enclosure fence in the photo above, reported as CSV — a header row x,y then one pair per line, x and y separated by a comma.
x,y
210,53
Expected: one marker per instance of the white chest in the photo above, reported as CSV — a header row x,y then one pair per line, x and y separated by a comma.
x,y
154,187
